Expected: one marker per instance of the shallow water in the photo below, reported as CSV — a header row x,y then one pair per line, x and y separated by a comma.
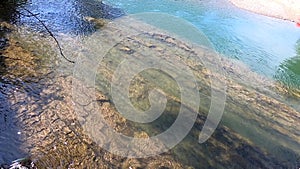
x,y
253,122
10,139
266,45
23,77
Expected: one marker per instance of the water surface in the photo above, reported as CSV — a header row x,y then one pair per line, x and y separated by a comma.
x,y
266,45
263,43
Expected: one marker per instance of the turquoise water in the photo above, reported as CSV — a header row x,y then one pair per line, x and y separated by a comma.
x,y
267,45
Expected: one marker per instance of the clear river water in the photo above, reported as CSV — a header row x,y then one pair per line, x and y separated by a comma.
x,y
267,46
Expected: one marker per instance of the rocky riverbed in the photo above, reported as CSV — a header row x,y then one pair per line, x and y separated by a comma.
x,y
40,107
256,112
259,128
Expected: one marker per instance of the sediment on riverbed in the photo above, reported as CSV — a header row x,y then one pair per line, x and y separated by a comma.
x,y
256,117
282,9
39,104
53,136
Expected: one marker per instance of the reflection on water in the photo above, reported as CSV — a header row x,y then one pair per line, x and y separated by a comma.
x,y
67,16
289,70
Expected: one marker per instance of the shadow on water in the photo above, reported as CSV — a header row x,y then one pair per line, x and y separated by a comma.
x,y
10,140
8,10
241,141
25,74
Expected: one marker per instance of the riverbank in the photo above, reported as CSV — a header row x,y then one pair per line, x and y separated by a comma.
x,y
282,9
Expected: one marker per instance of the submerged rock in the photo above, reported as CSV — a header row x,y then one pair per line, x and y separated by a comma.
x,y
98,23
257,120
53,137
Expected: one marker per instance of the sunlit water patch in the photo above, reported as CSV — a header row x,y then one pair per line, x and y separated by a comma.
x,y
263,43
67,16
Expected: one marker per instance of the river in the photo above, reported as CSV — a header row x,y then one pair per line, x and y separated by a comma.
x,y
259,127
